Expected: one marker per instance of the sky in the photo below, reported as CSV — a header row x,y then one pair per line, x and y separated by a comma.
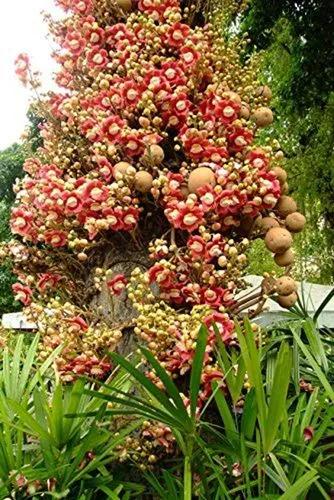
x,y
22,30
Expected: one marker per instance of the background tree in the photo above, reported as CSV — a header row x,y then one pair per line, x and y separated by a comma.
x,y
298,61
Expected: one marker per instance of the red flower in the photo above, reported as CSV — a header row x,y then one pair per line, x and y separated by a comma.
x,y
55,238
258,159
21,221
195,145
216,154
95,36
82,7
207,197
97,58
227,111
133,144
72,202
94,192
189,56
308,433
117,33
162,276
239,139
176,34
173,73
117,284
75,43
183,216
131,93
112,128
223,324
22,66
22,293
78,324
105,168
130,218
196,245
48,280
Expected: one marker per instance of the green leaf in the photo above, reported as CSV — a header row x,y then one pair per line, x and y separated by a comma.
x,y
196,369
277,401
225,413
300,486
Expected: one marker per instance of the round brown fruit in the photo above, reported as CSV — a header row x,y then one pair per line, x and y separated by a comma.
x,y
143,181
285,259
155,153
125,5
245,111
200,177
287,301
286,205
280,174
295,222
286,285
285,188
122,167
278,240
264,91
262,116
267,223
233,96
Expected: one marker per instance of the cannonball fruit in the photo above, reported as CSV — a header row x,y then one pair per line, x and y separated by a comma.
x,y
125,5
295,222
285,188
285,259
199,177
262,116
286,205
244,111
122,167
233,96
267,223
278,240
286,285
155,153
143,181
287,301
264,91
280,174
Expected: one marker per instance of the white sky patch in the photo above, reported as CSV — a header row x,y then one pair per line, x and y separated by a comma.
x,y
22,30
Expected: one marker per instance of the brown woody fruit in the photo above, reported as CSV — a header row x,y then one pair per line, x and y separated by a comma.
x,y
264,91
200,177
122,167
285,188
280,174
143,181
233,96
285,259
278,240
262,116
295,222
244,111
286,285
125,5
155,154
267,223
286,205
287,301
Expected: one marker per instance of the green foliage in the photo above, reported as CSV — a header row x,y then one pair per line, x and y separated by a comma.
x,y
298,60
41,449
11,161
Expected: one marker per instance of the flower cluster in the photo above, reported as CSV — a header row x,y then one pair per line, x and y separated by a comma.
x,y
153,136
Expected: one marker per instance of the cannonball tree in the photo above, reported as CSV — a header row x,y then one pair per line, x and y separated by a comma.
x,y
135,216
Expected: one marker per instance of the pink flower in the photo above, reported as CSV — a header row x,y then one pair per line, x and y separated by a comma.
x,y
189,56
78,324
176,34
94,192
117,284
21,221
112,128
183,216
22,63
97,58
48,280
82,7
133,144
196,245
22,293
72,202
55,238
75,43
239,138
